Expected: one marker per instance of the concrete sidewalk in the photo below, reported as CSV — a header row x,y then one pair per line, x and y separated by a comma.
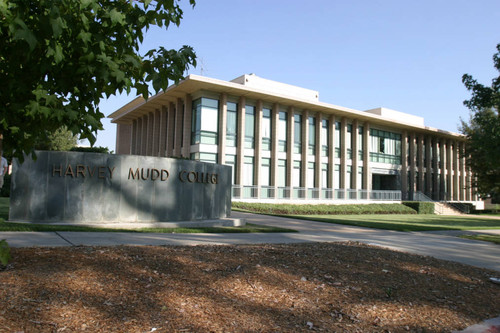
x,y
441,245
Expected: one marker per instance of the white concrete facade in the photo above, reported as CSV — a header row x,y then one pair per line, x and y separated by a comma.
x,y
284,144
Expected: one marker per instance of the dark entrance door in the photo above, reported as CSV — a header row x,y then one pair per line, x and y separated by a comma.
x,y
385,182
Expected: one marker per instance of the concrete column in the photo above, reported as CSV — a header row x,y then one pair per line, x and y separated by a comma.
x,y
179,111
355,155
428,166
462,171
186,129
455,171
171,129
221,149
163,131
156,133
275,118
317,171
413,166
331,151
367,174
134,137
138,141
289,148
305,148
449,170
420,153
123,138
435,169
240,144
442,165
404,166
258,145
144,134
150,136
343,153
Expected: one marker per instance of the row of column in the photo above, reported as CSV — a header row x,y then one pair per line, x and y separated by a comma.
x,y
257,154
441,173
164,132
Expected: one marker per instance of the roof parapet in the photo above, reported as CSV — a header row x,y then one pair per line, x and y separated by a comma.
x,y
254,81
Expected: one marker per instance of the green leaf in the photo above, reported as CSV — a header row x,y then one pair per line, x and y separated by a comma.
x,y
116,17
24,33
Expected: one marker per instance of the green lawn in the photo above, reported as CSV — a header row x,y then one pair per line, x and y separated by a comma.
x,y
8,226
408,222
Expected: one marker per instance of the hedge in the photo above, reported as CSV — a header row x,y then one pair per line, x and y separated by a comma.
x,y
420,207
297,209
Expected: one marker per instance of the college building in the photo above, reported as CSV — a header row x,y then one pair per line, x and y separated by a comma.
x,y
284,144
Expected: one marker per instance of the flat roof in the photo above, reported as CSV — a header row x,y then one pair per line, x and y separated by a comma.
x,y
193,83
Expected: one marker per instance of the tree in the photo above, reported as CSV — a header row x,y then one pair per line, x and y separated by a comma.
x,y
483,131
61,139
483,146
58,58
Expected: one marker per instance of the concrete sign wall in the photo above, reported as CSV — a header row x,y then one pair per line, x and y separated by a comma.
x,y
92,187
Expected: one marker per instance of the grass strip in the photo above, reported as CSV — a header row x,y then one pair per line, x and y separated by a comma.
x,y
248,228
486,238
408,222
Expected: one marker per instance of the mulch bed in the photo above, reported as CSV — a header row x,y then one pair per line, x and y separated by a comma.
x,y
329,287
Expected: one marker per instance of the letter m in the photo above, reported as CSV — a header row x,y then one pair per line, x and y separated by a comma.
x,y
132,174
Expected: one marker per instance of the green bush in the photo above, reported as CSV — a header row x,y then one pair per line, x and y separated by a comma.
x,y
420,207
5,191
104,150
323,209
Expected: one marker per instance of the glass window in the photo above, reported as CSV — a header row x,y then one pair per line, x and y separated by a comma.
x,y
266,129
324,175
324,137
232,124
282,131
281,179
231,160
348,141
297,134
359,180
385,147
204,157
336,179
348,181
312,136
360,143
205,122
310,175
296,174
248,171
265,172
249,126
337,139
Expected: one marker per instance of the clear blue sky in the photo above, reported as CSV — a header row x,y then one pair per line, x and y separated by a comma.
x,y
404,55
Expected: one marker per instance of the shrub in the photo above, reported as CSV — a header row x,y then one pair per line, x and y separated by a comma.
x,y
323,209
104,150
5,191
4,252
421,207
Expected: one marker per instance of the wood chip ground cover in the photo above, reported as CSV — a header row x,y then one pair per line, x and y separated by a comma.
x,y
329,287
